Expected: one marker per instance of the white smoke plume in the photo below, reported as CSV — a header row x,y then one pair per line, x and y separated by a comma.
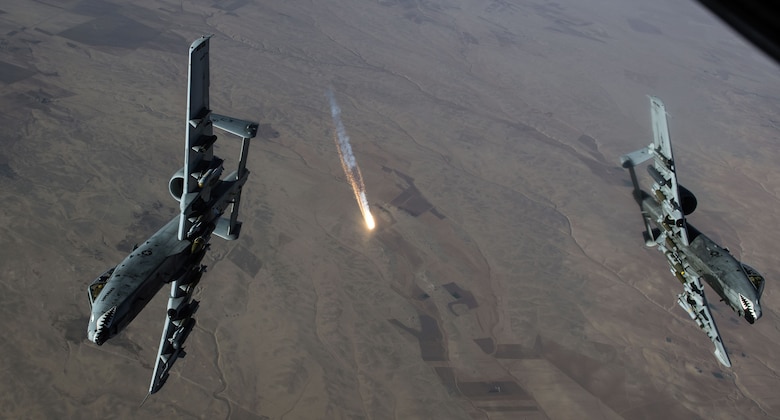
x,y
348,162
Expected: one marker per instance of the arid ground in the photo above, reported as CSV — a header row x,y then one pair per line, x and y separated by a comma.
x,y
507,276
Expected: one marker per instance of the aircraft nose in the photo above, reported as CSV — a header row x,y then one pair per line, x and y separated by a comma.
x,y
99,330
751,308
92,335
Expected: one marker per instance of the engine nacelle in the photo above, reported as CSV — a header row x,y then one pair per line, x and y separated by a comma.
x,y
687,200
176,184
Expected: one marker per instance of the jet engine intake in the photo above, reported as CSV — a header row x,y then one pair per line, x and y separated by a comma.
x,y
176,184
688,201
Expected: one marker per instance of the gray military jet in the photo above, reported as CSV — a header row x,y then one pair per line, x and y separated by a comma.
x,y
692,256
174,254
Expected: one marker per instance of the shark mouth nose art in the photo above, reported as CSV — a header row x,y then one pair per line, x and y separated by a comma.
x,y
750,311
101,326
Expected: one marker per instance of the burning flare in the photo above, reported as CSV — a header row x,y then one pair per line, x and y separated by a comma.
x,y
348,162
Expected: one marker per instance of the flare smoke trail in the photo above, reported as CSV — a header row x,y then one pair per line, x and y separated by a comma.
x,y
348,162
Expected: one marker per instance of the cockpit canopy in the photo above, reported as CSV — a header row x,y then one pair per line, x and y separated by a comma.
x,y
97,286
756,279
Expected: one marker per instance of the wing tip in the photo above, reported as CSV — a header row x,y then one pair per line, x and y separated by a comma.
x,y
722,357
199,41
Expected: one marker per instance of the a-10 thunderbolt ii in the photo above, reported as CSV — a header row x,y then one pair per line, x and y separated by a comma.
x,y
692,256
174,254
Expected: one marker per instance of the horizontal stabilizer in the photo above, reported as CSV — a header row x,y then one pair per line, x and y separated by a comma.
x,y
635,158
225,231
241,128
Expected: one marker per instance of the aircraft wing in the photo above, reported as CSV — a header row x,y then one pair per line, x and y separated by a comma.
x,y
693,301
178,325
202,169
692,298
198,154
664,173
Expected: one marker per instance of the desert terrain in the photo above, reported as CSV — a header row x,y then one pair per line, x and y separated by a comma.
x,y
507,276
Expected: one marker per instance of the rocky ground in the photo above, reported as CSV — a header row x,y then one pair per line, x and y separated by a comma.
x,y
506,277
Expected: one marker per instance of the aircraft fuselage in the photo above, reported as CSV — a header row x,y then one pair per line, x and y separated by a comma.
x,y
737,284
117,299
